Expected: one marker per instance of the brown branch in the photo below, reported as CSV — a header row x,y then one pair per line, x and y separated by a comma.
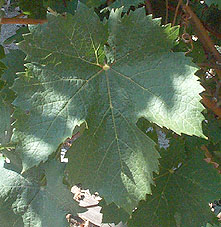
x,y
211,105
75,136
22,21
202,33
209,29
209,158
176,12
203,36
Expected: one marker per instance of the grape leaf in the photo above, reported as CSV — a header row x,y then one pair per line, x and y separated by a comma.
x,y
209,225
4,107
61,7
197,54
38,204
17,37
9,219
14,61
214,130
182,192
93,3
106,170
54,127
125,3
4,119
112,213
215,2
2,55
146,127
70,6
34,9
69,82
151,55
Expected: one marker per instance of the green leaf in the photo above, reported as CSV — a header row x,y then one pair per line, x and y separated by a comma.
x,y
147,128
38,204
2,55
215,2
209,225
18,37
4,120
165,100
93,3
9,218
48,127
4,106
214,130
182,192
34,9
14,61
112,213
2,2
61,7
71,5
125,3
72,80
197,54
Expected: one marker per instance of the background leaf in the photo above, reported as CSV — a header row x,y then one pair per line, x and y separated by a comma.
x,y
112,213
93,3
18,36
60,7
34,9
215,2
5,113
4,106
125,3
182,192
27,195
14,62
